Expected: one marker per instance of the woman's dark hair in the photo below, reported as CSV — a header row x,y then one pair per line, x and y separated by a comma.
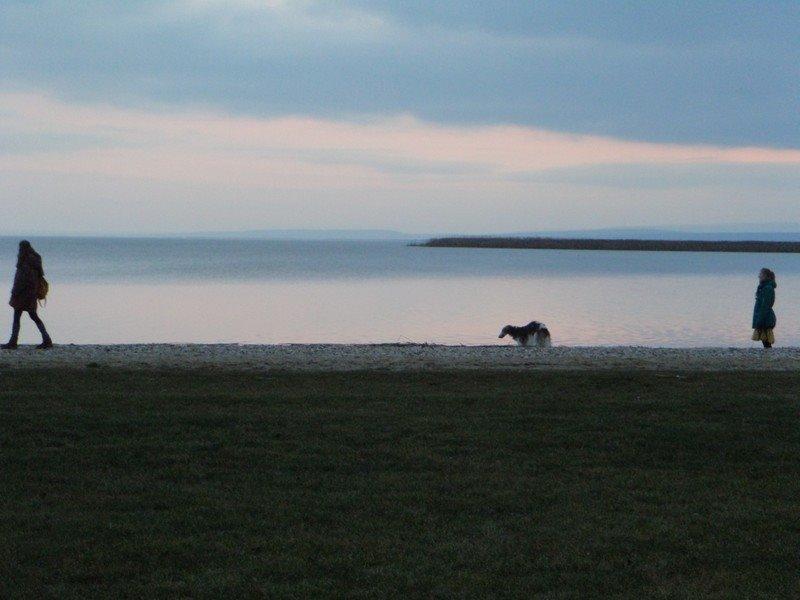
x,y
25,249
769,273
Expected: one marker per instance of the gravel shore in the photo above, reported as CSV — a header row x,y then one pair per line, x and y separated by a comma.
x,y
405,357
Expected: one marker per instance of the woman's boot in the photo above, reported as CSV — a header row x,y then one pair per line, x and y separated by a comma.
x,y
12,342
46,341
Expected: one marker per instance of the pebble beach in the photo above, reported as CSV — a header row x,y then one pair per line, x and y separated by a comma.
x,y
397,357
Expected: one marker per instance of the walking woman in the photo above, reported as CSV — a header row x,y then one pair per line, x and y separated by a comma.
x,y
763,316
27,290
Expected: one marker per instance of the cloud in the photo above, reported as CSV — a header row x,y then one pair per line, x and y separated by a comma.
x,y
725,73
77,167
304,151
757,179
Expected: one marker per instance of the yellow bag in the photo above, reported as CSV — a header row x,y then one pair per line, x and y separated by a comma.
x,y
42,290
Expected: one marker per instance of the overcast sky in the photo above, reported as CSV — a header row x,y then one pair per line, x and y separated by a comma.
x,y
416,115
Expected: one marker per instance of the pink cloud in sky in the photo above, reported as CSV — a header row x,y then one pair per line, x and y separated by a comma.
x,y
300,151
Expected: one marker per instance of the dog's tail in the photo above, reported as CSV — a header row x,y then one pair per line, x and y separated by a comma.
x,y
542,337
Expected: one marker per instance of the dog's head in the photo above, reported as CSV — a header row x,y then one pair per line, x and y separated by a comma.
x,y
506,331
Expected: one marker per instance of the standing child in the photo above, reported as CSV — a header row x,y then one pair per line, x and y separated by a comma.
x,y
763,316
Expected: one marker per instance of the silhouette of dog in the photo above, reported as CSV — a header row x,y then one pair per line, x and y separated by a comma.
x,y
532,332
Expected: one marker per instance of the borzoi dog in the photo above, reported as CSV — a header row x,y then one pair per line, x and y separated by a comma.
x,y
532,332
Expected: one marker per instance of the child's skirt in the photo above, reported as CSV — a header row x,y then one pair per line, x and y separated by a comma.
x,y
763,335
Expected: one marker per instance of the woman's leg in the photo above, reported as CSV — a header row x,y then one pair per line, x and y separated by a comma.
x,y
12,343
46,341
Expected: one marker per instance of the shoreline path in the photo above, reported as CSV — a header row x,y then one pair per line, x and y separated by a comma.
x,y
398,357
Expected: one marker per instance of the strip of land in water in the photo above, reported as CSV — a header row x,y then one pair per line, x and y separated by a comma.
x,y
544,243
170,483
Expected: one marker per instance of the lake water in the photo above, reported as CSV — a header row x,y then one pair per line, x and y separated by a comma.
x,y
170,290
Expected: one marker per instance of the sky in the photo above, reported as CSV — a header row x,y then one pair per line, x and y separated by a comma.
x,y
473,117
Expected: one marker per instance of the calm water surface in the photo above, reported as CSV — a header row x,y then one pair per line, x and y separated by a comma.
x,y
169,290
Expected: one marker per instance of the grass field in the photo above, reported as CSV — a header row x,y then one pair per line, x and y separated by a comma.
x,y
134,484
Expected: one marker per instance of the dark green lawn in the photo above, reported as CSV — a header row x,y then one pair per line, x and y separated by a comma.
x,y
134,484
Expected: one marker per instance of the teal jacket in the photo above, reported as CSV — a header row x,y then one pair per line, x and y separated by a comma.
x,y
763,315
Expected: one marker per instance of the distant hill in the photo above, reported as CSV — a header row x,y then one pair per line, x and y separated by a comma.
x,y
312,234
625,233
788,232
619,233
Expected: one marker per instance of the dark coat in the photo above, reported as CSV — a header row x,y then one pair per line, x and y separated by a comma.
x,y
26,281
763,315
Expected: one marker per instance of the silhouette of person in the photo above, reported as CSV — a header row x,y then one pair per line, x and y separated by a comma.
x,y
764,319
25,294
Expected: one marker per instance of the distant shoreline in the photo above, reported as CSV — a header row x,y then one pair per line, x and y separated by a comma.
x,y
544,243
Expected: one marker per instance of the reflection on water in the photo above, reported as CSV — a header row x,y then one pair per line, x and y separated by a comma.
x,y
117,291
